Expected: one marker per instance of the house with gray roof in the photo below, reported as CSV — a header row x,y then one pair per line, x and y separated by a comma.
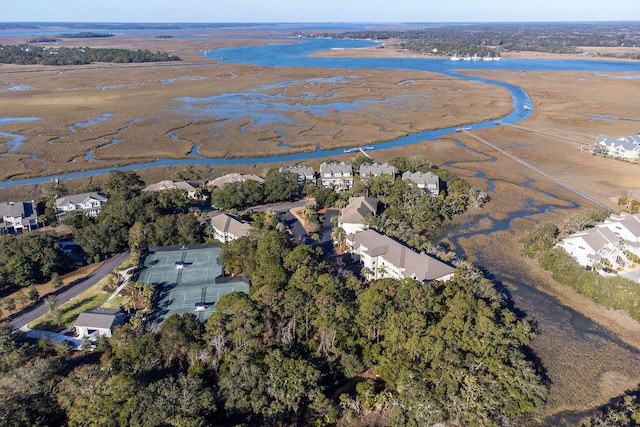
x,y
427,183
88,204
338,176
173,185
305,173
15,217
100,321
377,169
355,216
612,240
384,257
627,147
226,228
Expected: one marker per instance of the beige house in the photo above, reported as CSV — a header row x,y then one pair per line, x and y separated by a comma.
x,y
338,176
427,183
226,228
384,257
173,185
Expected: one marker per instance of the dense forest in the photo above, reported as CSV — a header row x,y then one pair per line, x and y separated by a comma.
x,y
29,55
491,39
304,348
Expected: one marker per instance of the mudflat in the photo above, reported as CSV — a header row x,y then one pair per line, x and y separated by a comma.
x,y
586,365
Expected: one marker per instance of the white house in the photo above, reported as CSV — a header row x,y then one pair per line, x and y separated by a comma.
x,y
627,147
89,204
610,239
15,217
425,182
377,169
355,215
305,173
385,257
173,185
226,228
338,176
101,321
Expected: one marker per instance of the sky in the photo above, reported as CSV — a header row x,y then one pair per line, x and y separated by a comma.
x,y
318,11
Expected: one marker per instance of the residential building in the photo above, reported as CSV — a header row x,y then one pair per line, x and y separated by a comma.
x,y
612,240
425,182
384,257
89,204
338,176
354,217
15,217
627,147
233,177
226,228
101,321
173,185
377,169
305,173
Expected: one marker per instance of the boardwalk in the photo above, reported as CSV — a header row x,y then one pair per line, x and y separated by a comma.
x,y
539,171
551,135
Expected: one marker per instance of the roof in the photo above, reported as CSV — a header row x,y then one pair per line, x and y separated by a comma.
x,y
376,169
596,238
170,185
335,169
632,223
628,143
419,266
227,224
358,209
78,199
101,318
301,170
233,177
17,209
421,179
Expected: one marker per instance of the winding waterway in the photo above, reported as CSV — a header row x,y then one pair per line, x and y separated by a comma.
x,y
559,322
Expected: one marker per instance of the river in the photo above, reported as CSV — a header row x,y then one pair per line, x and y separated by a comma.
x,y
558,325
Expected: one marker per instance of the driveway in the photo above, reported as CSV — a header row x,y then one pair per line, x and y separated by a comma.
x,y
29,315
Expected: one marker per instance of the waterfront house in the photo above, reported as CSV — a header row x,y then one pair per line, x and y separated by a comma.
x,y
627,147
427,183
173,185
338,176
233,177
377,169
355,216
305,173
384,257
88,204
15,217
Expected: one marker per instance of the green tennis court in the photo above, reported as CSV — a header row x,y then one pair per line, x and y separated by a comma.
x,y
189,280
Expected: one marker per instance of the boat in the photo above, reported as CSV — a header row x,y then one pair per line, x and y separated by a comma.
x,y
455,58
350,150
528,107
368,147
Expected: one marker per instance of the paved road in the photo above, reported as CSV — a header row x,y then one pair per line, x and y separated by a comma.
x,y
40,308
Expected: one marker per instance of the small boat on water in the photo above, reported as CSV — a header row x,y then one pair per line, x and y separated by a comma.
x,y
350,150
368,147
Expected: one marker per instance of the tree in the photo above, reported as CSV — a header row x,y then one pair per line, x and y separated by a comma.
x,y
123,185
56,281
33,294
281,186
52,307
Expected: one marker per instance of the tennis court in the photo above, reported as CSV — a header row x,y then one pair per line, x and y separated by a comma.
x,y
188,278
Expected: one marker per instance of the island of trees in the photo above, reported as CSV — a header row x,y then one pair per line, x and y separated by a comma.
x,y
30,55
491,39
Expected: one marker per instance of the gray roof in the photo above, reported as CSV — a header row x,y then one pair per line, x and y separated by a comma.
x,y
78,199
420,266
336,169
596,238
632,223
17,209
628,143
422,179
358,209
302,171
376,169
103,318
227,224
